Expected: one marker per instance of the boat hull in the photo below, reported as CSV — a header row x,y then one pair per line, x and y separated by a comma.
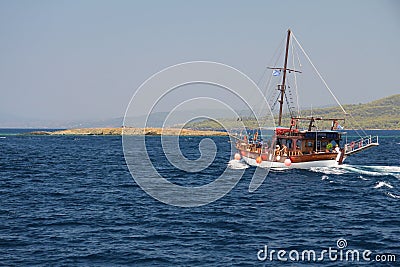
x,y
298,165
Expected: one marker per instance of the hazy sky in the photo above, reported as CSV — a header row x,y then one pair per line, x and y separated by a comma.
x,y
84,59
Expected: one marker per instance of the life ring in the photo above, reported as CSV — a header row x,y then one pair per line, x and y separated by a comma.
x,y
277,153
352,144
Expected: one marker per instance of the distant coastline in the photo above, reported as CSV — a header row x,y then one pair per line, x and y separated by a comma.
x,y
117,131
381,114
131,131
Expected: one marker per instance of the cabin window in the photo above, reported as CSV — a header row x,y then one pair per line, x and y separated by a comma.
x,y
310,144
334,143
298,144
289,143
279,142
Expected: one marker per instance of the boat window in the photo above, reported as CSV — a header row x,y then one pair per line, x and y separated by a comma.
x,y
282,142
298,144
267,136
324,144
334,143
289,143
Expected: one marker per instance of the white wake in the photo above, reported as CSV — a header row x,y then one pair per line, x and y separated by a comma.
x,y
237,164
360,169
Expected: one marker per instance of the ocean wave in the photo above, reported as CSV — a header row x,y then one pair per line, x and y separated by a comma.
x,y
381,184
393,195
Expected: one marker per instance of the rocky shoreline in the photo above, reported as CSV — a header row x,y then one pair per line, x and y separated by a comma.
x,y
131,131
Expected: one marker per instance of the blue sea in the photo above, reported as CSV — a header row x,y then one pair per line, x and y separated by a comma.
x,y
71,201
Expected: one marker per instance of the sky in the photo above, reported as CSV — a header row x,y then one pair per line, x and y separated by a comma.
x,y
81,60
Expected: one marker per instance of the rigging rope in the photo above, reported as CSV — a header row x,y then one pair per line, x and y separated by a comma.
x,y
320,76
268,93
327,87
289,107
295,82
273,56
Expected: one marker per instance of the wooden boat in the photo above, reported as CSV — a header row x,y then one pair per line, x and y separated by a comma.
x,y
293,147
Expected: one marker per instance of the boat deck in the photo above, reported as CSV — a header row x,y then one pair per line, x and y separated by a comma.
x,y
361,144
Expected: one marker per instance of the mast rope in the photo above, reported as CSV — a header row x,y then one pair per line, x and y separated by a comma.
x,y
295,81
327,87
271,60
320,76
268,94
288,105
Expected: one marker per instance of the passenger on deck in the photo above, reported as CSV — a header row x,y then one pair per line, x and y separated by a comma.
x,y
277,150
337,148
259,144
284,150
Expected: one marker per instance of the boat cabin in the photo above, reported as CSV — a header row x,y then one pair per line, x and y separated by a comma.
x,y
305,142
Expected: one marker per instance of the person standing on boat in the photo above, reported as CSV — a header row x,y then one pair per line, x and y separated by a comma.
x,y
284,150
277,150
337,148
338,159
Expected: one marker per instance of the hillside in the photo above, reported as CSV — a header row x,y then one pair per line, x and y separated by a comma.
x,y
379,114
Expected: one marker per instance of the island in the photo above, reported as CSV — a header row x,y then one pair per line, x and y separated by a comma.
x,y
132,131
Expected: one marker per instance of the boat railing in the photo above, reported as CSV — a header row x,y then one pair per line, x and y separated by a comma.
x,y
361,144
295,153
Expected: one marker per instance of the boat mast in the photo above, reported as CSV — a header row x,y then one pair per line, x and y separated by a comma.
x,y
282,89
